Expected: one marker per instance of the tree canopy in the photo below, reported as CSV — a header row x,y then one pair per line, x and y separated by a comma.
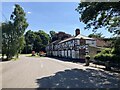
x,y
100,14
36,41
52,34
0,38
60,36
96,35
12,33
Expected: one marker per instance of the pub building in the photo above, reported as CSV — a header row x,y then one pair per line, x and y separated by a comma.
x,y
74,47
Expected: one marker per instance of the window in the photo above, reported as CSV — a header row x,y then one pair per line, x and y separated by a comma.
x,y
92,42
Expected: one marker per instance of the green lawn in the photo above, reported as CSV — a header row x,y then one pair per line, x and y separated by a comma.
x,y
26,54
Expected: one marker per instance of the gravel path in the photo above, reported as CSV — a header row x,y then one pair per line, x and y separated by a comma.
x,y
44,72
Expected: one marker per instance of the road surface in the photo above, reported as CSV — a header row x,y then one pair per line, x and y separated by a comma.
x,y
44,72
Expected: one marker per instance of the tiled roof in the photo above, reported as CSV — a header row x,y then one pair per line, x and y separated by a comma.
x,y
54,42
67,39
73,37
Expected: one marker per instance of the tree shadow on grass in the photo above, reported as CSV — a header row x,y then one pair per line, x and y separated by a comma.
x,y
78,78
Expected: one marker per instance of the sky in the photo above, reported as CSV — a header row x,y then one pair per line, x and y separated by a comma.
x,y
47,16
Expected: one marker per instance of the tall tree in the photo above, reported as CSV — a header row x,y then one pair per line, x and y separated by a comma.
x,y
100,14
36,41
0,38
52,34
29,39
12,32
6,40
41,40
44,37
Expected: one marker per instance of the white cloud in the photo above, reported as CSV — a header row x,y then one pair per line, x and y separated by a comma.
x,y
29,12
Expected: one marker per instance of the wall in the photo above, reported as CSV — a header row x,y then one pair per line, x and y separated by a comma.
x,y
68,51
93,51
91,42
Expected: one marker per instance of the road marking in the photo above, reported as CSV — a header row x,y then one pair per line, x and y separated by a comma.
x,y
41,65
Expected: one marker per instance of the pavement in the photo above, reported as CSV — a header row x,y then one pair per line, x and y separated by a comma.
x,y
44,72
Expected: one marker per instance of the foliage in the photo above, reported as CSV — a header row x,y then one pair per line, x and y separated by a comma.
x,y
60,36
107,55
6,40
103,55
52,33
97,35
100,14
36,41
116,49
0,38
12,33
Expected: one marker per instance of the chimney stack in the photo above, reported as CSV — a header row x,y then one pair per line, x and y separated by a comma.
x,y
77,32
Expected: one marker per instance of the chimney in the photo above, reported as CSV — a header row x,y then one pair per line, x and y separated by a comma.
x,y
77,32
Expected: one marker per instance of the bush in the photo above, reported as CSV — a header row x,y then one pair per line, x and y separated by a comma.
x,y
115,59
108,55
106,51
103,57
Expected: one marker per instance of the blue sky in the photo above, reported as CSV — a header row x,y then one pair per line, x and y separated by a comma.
x,y
47,16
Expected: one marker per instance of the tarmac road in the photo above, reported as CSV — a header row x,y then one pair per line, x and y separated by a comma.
x,y
44,72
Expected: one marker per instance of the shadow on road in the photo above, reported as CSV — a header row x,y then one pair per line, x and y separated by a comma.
x,y
78,78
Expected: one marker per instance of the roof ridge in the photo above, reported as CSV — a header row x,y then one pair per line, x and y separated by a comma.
x,y
83,36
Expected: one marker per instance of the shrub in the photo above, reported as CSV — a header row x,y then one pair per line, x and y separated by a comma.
x,y
115,59
108,55
103,57
106,51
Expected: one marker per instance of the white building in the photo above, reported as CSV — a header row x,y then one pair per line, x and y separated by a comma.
x,y
74,47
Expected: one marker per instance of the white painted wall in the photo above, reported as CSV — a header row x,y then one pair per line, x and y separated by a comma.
x,y
55,53
91,42
62,53
73,53
68,53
